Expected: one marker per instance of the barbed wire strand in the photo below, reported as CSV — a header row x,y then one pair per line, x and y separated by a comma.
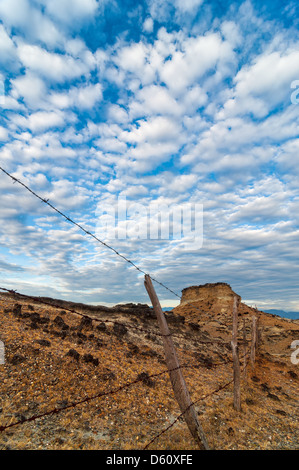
x,y
221,387
183,412
100,320
140,378
88,399
87,232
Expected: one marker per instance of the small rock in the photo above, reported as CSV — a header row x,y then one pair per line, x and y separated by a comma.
x,y
20,417
145,378
17,310
249,401
35,317
74,354
254,378
281,412
273,397
293,374
82,336
61,323
17,359
101,327
265,387
91,359
86,322
44,342
119,329
62,403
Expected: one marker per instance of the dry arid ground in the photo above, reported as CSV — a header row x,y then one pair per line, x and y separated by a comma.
x,y
55,359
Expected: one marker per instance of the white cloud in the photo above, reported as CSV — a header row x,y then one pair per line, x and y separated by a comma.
x,y
193,99
41,120
52,66
15,12
261,209
154,99
31,88
182,183
68,11
231,32
110,144
287,157
158,128
199,55
148,25
132,58
164,10
188,6
148,155
84,97
118,114
261,86
68,194
3,134
21,14
88,96
7,47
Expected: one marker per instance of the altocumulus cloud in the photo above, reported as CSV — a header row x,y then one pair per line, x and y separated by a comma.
x,y
153,101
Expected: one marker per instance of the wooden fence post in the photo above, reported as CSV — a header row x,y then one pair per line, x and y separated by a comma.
x,y
177,379
253,340
258,334
244,349
236,362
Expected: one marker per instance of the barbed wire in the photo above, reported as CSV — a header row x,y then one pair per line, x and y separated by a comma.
x,y
87,232
140,378
221,387
185,411
84,400
100,320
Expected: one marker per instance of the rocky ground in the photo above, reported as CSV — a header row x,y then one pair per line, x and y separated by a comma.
x,y
70,382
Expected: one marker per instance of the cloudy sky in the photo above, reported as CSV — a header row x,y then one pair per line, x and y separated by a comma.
x,y
152,102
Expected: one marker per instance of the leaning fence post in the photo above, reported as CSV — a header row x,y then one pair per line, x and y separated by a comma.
x,y
258,334
177,379
253,340
236,362
244,349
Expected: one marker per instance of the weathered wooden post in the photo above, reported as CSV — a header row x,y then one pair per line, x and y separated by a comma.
x,y
236,362
244,349
258,334
253,340
177,379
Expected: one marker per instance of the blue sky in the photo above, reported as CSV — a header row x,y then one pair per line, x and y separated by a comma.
x,y
162,101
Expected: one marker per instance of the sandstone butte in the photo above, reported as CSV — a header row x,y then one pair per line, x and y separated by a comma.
x,y
55,359
219,294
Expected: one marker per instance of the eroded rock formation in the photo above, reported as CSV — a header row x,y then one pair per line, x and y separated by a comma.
x,y
219,296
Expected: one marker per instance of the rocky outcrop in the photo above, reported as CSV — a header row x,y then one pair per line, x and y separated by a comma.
x,y
218,296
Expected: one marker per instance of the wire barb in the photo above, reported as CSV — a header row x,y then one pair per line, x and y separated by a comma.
x,y
46,201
